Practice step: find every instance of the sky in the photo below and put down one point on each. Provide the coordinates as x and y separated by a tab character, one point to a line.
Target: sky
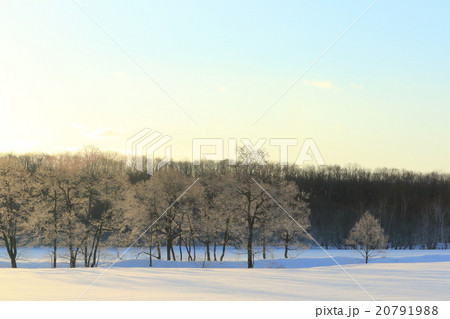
375	94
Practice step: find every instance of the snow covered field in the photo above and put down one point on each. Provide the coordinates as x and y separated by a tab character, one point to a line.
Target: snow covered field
399	275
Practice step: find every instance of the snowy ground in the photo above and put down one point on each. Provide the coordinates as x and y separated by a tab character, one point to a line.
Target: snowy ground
399	275
234	258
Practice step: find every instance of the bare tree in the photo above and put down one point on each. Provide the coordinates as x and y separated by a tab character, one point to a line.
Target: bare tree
439	213
17	194
251	199
289	231
73	229
141	211
102	187
367	237
46	222
155	197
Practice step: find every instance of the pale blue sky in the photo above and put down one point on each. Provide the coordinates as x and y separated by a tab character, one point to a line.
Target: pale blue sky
380	97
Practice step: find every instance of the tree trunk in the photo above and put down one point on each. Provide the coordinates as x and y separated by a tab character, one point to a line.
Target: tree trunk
98	258
187	245
168	249
180	248
85	251
250	245
12	252
208	255
193	246
55	227
72	258
225	240
173	253
72	262
223	251
150	255
94	255
158	249
54	253
264	247
11	248
286	246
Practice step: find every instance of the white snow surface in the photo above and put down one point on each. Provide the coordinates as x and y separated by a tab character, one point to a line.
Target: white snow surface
311	275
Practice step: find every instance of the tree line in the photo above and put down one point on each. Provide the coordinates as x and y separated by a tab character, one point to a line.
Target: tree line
413	208
89	200
80	203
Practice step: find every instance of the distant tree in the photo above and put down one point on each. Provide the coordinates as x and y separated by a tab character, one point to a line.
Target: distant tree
251	200
166	187
142	209
17	194
102	187
439	213
254	202
205	217
45	223
367	237
72	228
298	209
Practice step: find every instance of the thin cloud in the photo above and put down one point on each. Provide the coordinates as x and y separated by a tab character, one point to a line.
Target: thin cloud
356	86
99	133
108	132
320	84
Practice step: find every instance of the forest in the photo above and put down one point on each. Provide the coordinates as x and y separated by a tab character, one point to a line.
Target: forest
81	203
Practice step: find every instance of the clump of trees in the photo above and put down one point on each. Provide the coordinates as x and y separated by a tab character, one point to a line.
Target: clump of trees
367	237
81	203
89	200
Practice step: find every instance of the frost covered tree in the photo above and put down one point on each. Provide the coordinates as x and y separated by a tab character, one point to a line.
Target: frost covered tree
289	231
214	214
102	188
44	225
256	201
367	236
70	186
143	209
17	194
251	201
167	185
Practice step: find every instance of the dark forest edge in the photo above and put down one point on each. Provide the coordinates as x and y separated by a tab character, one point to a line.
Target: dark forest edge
91	199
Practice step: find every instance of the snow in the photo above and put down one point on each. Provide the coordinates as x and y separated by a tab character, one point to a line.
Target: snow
399	275
235	258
